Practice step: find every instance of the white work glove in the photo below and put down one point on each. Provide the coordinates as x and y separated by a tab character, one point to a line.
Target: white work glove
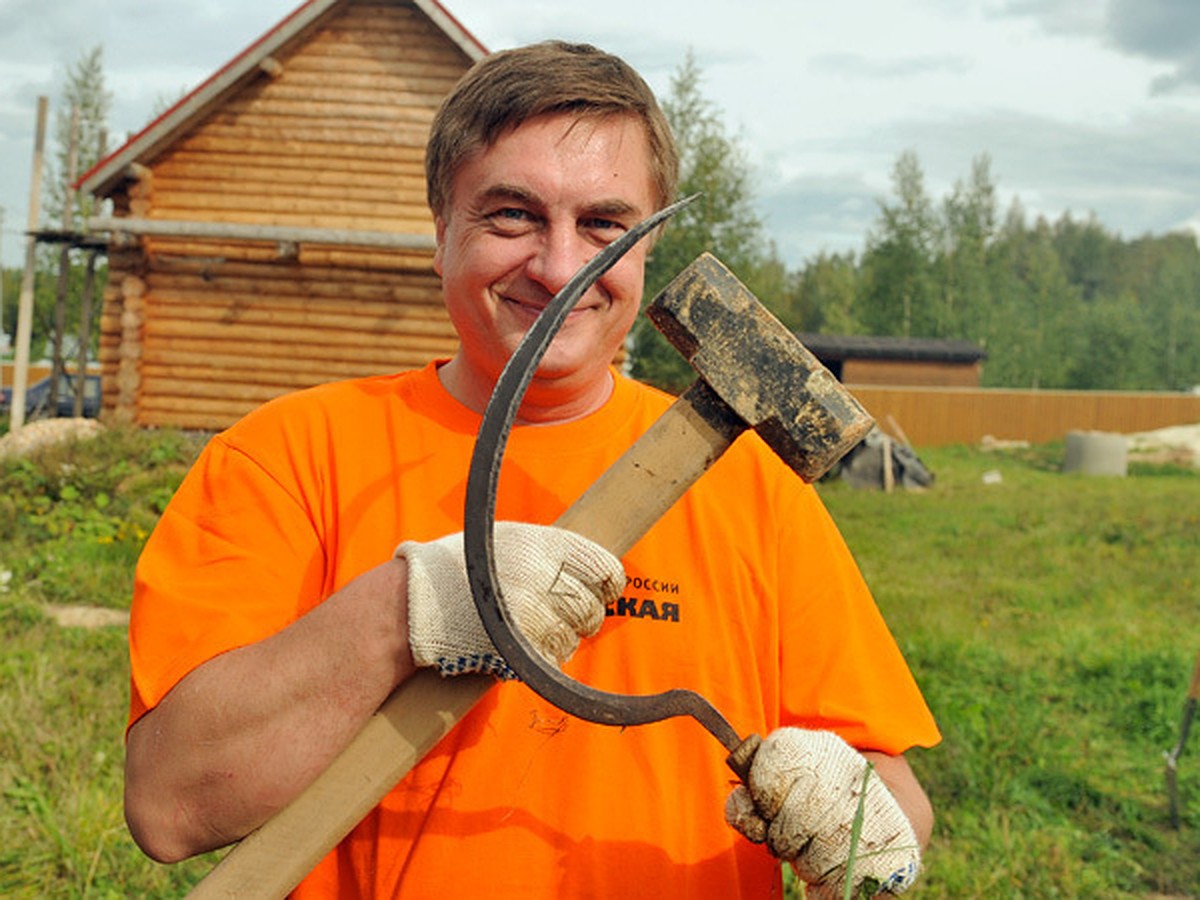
803	796
555	583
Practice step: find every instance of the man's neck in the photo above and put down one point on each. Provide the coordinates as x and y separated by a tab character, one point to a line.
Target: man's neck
546	401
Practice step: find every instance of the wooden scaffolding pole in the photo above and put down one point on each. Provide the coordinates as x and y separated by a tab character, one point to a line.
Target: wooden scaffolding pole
25	302
85	333
58	366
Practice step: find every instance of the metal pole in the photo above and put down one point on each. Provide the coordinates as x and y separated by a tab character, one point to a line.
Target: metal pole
25	303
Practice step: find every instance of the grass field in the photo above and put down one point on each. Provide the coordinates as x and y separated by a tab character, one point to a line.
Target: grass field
1052	621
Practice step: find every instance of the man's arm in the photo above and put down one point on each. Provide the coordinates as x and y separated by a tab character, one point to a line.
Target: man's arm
244	733
903	785
239	737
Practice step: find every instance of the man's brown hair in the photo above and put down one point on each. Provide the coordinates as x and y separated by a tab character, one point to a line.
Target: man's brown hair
505	89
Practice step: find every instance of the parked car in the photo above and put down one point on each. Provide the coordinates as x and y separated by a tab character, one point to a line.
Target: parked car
37	398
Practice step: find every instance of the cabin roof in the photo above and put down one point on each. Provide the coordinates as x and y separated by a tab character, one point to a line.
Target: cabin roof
103	178
843	347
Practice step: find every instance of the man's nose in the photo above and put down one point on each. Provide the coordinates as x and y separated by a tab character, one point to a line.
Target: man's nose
559	255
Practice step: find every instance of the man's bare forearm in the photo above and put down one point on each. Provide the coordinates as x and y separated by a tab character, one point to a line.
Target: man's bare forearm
244	733
903	785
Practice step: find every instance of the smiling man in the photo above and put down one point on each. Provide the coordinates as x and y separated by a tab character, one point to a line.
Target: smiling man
312	561
522	217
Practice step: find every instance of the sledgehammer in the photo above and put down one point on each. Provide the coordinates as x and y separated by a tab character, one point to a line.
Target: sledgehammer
754	374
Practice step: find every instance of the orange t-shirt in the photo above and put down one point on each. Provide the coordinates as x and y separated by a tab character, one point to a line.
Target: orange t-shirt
744	591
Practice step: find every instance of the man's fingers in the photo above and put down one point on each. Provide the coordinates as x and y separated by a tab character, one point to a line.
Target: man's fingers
741	813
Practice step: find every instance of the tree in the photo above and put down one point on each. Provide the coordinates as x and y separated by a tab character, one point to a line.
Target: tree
1117	347
84	91
898	279
80	127
968	229
1062	305
1164	275
822	295
722	221
1086	251
1035	331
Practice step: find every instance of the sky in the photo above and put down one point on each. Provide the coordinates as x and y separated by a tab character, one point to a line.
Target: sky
1083	107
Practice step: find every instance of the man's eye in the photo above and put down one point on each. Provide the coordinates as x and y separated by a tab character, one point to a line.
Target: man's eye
510	220
603	230
510	215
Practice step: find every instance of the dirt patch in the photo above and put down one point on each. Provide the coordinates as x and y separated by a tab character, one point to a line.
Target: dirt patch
88	616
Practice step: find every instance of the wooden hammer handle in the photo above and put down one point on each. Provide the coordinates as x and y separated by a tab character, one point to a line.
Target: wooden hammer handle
635	491
615	512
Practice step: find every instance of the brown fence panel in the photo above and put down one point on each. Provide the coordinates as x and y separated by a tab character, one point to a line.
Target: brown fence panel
932	417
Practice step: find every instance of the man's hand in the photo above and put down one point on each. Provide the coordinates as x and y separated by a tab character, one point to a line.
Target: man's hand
556	585
804	795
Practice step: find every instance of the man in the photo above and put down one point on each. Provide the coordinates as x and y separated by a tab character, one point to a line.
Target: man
311	562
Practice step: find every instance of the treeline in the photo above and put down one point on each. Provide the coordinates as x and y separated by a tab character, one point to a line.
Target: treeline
1064	304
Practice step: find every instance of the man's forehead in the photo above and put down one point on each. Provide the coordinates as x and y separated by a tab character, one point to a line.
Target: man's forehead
509	168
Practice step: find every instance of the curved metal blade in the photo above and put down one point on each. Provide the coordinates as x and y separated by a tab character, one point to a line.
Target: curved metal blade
542	677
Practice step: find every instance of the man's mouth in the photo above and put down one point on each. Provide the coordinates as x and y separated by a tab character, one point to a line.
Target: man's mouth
533	308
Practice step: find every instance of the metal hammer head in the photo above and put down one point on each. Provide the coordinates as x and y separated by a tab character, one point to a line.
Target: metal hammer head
759	368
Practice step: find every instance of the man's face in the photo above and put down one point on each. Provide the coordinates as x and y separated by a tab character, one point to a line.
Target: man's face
523	216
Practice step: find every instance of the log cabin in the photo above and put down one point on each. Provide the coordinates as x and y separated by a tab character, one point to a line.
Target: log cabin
269	231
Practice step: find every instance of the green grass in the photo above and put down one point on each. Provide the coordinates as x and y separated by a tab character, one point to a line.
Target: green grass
1052	621
72	522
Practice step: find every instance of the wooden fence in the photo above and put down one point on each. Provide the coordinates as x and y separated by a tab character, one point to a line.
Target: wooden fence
932	417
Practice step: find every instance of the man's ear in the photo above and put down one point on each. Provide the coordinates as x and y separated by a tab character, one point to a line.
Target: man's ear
440	236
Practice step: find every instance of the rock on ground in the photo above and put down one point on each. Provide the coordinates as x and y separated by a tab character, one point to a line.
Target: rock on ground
35	435
87	616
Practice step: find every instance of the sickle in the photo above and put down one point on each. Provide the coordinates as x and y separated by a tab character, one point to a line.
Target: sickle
543	678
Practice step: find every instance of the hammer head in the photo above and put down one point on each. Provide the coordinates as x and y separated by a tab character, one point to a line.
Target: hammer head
759	368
